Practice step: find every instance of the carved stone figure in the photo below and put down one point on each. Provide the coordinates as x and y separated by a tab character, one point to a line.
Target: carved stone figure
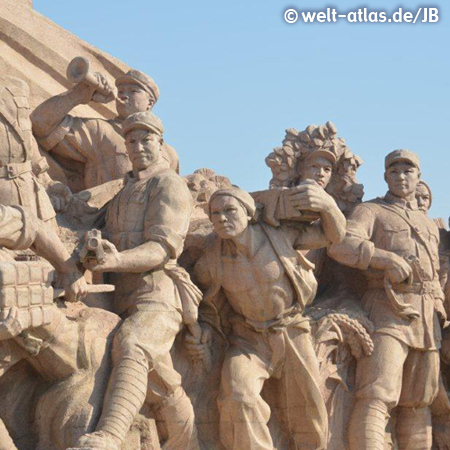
423	196
146	223
340	328
315	154
31	327
20	161
292	349
289	162
96	144
397	246
440	408
260	284
54	360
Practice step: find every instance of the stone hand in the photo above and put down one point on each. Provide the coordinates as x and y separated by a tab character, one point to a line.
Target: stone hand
60	196
111	261
103	95
196	347
87	93
74	285
397	269
310	197
11	326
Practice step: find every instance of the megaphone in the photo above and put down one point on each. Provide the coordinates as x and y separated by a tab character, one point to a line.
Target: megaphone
78	72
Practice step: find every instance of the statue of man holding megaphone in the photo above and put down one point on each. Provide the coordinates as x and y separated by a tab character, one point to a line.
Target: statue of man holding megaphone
96	143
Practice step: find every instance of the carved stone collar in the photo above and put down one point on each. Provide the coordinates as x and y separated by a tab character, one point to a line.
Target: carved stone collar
150	172
401	202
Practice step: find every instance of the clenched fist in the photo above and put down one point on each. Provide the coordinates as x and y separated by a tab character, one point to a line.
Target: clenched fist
309	196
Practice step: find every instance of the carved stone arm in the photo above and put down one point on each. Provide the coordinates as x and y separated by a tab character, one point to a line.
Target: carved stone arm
49	114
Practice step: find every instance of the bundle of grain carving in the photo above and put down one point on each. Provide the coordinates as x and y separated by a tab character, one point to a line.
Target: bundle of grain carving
285	162
355	335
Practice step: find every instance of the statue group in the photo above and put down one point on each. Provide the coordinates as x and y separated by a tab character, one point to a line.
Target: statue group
145	310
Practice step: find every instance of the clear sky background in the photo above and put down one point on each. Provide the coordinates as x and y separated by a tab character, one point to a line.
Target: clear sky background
234	75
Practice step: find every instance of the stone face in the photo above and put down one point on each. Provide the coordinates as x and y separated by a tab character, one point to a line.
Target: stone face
145	310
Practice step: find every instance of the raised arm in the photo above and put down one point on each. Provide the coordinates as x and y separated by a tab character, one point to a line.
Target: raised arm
49	114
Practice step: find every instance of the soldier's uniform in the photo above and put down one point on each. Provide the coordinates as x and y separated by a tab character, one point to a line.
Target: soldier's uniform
154	206
404	367
98	143
19	155
18	229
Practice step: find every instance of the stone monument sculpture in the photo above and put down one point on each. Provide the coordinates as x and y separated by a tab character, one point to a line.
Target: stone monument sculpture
440	408
267	285
424	196
58	354
32	327
146	223
96	143
298	147
23	173
294	317
340	327
397	247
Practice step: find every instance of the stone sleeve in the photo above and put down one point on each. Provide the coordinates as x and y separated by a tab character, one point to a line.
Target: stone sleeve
168	215
18	229
356	250
73	138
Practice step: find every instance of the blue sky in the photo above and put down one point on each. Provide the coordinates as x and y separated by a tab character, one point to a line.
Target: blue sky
234	75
